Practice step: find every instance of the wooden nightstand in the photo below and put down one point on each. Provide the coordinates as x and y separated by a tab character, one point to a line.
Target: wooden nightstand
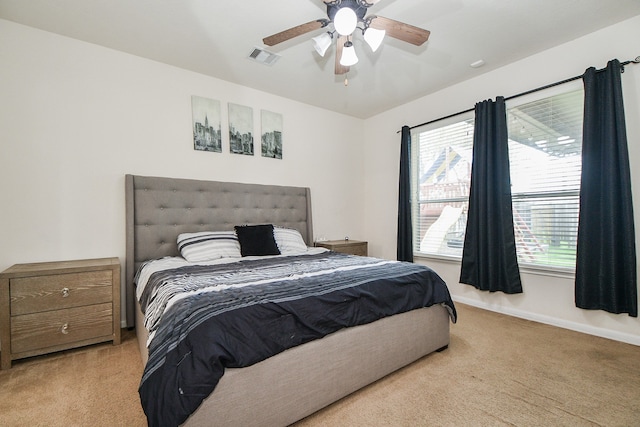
53	306
353	247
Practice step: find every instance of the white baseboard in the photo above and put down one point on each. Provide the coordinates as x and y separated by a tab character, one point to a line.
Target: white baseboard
561	323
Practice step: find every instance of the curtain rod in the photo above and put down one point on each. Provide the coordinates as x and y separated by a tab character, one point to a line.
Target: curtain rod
636	60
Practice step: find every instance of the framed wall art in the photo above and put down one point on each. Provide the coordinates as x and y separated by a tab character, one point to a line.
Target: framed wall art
207	131
271	137
240	129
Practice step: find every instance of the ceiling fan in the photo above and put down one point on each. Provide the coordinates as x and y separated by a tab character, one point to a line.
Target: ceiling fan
346	15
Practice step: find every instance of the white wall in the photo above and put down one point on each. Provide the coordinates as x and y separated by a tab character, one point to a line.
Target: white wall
547	299
76	117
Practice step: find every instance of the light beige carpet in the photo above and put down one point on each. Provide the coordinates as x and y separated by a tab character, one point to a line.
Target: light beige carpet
498	371
503	371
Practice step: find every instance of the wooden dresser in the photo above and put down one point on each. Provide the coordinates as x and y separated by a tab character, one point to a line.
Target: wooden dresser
353	247
53	306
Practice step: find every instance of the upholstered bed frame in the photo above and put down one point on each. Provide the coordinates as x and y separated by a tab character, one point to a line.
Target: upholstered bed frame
301	380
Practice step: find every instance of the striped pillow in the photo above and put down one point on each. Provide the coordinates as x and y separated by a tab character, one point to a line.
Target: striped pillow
290	241
208	245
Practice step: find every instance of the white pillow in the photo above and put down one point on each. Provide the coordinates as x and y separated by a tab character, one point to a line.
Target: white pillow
209	245
289	241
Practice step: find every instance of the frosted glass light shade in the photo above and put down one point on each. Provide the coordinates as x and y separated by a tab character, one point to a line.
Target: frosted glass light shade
345	21
374	38
321	43
348	57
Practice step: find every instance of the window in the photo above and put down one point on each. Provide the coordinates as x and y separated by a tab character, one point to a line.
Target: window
545	140
441	163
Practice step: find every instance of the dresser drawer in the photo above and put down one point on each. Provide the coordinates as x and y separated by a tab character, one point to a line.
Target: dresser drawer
53	328
53	292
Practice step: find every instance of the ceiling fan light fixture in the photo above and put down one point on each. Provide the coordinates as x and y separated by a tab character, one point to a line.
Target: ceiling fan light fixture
349	56
346	17
322	42
345	21
374	37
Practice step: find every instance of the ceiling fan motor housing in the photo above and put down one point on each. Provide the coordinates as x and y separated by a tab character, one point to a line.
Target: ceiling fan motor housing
359	7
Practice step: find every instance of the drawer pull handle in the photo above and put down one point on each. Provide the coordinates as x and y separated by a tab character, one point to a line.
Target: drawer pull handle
64	329
65	292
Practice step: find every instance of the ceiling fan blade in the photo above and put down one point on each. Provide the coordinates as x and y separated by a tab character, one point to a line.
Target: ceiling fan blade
400	30
340	69
294	32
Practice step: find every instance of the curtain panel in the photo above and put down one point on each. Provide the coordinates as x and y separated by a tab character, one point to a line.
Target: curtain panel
606	254
489	260
405	230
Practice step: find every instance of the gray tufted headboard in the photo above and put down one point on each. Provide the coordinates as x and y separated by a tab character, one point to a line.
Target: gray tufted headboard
159	209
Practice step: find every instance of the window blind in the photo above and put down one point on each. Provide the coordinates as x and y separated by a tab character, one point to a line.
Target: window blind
442	160
545	141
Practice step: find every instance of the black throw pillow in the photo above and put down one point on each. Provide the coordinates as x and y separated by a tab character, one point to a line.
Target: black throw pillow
257	240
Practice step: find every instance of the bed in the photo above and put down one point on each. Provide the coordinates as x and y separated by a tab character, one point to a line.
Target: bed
297	381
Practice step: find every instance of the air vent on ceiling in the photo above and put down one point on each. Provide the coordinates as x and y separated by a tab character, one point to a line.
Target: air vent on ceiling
263	56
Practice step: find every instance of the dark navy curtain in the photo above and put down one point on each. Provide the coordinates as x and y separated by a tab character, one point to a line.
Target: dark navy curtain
606	257
405	233
489	260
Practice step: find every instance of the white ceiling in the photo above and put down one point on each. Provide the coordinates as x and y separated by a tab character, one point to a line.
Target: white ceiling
215	37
